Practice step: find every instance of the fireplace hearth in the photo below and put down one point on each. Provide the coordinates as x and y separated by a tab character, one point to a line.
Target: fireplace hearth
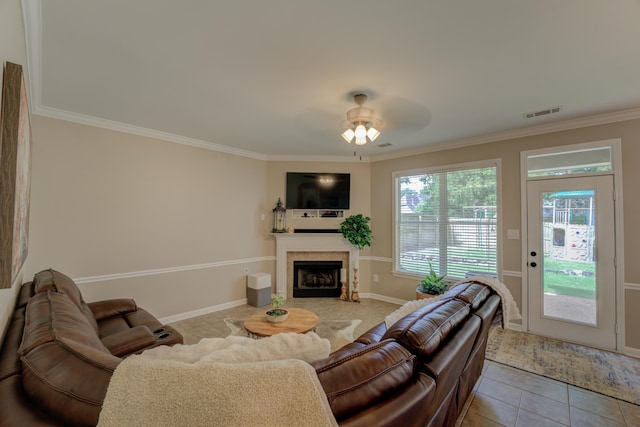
316	279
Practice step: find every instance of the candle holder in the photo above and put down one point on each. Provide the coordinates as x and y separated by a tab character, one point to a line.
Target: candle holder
354	294
344	295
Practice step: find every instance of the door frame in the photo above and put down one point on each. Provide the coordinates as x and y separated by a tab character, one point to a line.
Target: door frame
601	333
616	145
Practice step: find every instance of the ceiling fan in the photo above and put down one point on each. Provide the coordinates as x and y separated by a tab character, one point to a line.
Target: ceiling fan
361	124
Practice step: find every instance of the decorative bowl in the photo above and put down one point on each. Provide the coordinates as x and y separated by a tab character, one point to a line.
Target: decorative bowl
277	318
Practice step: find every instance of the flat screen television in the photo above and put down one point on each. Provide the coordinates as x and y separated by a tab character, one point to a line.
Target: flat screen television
312	190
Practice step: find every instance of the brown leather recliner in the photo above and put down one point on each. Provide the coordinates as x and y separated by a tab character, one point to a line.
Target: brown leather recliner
123	327
59	352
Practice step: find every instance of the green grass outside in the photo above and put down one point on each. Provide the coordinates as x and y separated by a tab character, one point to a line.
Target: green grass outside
557	283
567	284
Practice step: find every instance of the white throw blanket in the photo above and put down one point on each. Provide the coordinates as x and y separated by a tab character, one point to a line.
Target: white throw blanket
221	382
509	307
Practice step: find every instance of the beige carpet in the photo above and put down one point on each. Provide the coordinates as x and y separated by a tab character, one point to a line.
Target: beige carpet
601	371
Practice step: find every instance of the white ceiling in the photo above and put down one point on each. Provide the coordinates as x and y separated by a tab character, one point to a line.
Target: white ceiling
275	78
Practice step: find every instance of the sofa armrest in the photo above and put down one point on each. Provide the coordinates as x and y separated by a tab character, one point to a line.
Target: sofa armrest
373	335
356	381
129	341
113	307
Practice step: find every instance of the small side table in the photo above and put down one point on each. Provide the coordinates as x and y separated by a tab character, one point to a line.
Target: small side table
299	321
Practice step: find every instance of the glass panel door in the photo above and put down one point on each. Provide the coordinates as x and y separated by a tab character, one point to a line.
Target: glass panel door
571	256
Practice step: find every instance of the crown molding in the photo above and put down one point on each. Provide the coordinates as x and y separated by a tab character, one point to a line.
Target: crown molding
336	159
32	20
600	119
138	130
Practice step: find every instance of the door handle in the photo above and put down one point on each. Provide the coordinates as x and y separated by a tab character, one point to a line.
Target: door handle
533	264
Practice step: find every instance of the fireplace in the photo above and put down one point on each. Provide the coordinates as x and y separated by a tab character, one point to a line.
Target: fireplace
316	279
292	247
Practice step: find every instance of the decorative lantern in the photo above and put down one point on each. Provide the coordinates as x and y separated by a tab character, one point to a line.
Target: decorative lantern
279	218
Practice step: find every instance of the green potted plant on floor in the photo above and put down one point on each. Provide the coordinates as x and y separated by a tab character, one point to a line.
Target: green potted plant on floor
431	285
277	314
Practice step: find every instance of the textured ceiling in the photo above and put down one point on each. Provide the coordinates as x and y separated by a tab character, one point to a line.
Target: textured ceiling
275	78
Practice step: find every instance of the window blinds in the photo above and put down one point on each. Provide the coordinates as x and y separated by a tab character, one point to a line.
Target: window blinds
447	220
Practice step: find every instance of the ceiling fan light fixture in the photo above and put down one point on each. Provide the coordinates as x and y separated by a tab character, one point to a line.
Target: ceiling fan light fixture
373	133
361	123
348	135
361	132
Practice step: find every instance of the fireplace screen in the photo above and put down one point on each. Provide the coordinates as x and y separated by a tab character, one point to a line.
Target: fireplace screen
316	279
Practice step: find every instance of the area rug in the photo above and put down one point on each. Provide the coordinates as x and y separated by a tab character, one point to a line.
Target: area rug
612	374
338	332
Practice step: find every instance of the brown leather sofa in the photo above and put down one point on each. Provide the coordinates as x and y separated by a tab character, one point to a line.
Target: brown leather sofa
59	352
420	371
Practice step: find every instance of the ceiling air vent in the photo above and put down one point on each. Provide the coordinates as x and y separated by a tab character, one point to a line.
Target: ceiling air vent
535	114
386	144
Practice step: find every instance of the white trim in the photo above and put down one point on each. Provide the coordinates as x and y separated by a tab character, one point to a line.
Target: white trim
138	130
524	236
629	351
32	18
616	145
128	275
311	158
383	298
202	311
514	327
632	286
377	258
509	273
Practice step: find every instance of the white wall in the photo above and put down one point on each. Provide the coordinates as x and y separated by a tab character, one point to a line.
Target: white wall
169	225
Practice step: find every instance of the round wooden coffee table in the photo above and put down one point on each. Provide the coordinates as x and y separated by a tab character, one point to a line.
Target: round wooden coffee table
299	321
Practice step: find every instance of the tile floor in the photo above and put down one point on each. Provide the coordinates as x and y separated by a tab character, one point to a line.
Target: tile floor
505	396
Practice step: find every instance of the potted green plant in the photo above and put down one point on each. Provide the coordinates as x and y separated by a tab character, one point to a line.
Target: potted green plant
431	285
356	230
277	314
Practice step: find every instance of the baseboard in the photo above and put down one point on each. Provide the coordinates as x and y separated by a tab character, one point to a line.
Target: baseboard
202	311
632	352
514	326
383	298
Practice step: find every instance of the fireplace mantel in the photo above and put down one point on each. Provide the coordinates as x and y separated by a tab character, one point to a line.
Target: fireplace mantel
310	242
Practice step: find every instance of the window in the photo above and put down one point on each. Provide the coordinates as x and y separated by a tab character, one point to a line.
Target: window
571	162
447	219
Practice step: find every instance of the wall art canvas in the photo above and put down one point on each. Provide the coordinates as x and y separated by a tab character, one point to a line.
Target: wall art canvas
15	174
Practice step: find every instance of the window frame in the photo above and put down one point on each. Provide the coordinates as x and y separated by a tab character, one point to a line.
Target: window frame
440	169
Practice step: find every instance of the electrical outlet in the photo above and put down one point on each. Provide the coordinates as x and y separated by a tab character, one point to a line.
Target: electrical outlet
375	278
